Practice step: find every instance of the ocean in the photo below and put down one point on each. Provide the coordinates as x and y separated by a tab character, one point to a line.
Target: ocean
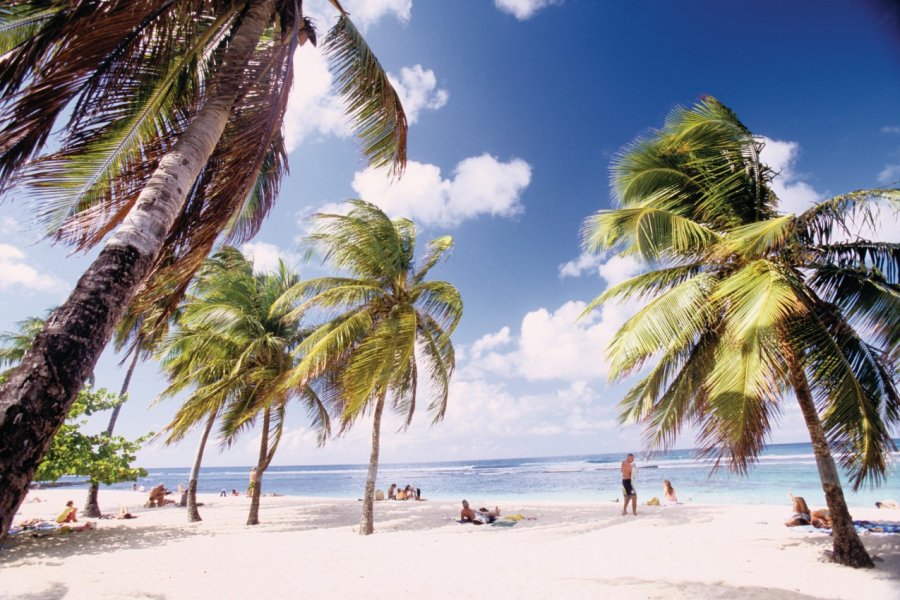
782	468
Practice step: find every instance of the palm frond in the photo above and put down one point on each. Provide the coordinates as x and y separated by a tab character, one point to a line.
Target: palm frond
372	103
845	214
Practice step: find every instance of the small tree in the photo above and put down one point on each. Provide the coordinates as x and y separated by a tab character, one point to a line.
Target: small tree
100	457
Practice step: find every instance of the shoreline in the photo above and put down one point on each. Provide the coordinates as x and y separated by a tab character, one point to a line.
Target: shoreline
576	550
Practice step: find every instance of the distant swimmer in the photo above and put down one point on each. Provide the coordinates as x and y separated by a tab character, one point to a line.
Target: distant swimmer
628	469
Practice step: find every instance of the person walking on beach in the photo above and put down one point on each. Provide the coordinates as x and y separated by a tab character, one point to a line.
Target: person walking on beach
630	492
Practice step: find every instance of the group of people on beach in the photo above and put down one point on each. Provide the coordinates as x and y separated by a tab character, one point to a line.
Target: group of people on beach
628	470
407	493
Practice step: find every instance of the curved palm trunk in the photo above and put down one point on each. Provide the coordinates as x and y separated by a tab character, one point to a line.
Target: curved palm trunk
91	506
253	516
847	548
193	514
367	523
35	400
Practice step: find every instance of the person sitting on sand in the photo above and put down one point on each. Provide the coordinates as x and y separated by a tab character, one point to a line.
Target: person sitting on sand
803	516
400	494
482	516
234	492
669	493
157	496
68	514
392	495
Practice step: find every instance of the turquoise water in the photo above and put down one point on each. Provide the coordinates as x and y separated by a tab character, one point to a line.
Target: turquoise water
782	468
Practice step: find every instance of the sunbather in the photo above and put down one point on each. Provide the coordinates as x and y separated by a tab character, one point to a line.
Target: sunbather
68	514
480	517
803	516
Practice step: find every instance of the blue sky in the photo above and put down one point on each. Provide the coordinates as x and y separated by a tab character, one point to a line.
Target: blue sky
516	107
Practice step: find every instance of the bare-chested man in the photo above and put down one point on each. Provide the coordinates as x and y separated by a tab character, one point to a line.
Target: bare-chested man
630	493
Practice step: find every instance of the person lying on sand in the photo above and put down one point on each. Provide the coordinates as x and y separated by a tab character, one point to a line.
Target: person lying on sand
803	516
481	517
887	504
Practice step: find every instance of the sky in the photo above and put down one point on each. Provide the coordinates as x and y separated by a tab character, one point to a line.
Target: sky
516	108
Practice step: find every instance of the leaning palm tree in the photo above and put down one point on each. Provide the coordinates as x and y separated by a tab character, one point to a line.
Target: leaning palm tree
173	137
389	319
233	347
744	305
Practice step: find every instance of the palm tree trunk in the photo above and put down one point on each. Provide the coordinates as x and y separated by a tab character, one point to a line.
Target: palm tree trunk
253	516
367	523
847	548
193	514
35	400
91	506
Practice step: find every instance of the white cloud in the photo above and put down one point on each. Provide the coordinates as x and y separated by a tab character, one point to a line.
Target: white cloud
614	269
524	9
587	262
16	272
890	129
890	175
794	195
480	185
417	88
369	12
265	256
550	345
8	225
312	110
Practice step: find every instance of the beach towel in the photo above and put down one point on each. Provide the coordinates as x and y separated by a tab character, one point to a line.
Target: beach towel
504	523
877	526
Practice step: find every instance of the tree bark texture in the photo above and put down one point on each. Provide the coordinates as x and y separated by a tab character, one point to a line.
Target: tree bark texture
193	515
35	400
91	505
847	548
262	463
367	522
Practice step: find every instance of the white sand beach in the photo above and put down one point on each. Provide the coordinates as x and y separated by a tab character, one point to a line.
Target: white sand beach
308	547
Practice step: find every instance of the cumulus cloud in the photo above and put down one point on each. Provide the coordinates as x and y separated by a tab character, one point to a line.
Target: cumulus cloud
15	272
794	194
891	129
417	88
368	12
8	225
524	9
265	256
481	185
614	269
550	345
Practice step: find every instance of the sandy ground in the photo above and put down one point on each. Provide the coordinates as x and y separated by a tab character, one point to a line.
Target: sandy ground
310	548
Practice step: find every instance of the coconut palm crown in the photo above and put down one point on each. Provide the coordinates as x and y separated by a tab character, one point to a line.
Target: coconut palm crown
742	304
389	320
233	351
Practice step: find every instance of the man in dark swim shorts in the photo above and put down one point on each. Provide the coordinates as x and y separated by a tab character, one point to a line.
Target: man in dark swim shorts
630	492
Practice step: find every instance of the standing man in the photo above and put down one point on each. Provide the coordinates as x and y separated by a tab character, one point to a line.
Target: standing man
630	493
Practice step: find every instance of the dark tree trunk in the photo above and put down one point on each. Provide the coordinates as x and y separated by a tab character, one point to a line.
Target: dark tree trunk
35	400
847	548
256	492
193	515
91	506
367	522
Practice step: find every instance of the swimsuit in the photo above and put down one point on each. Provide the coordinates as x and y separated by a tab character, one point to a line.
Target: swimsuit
629	491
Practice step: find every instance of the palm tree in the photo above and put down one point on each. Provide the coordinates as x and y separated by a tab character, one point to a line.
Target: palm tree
14	344
390	319
140	330
174	137
234	346
745	305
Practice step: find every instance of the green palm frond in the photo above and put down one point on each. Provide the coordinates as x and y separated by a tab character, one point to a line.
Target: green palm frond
438	248
372	103
869	301
645	285
440	361
760	238
441	301
327	345
682	313
845	214
650	231
883	256
20	23
760	296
